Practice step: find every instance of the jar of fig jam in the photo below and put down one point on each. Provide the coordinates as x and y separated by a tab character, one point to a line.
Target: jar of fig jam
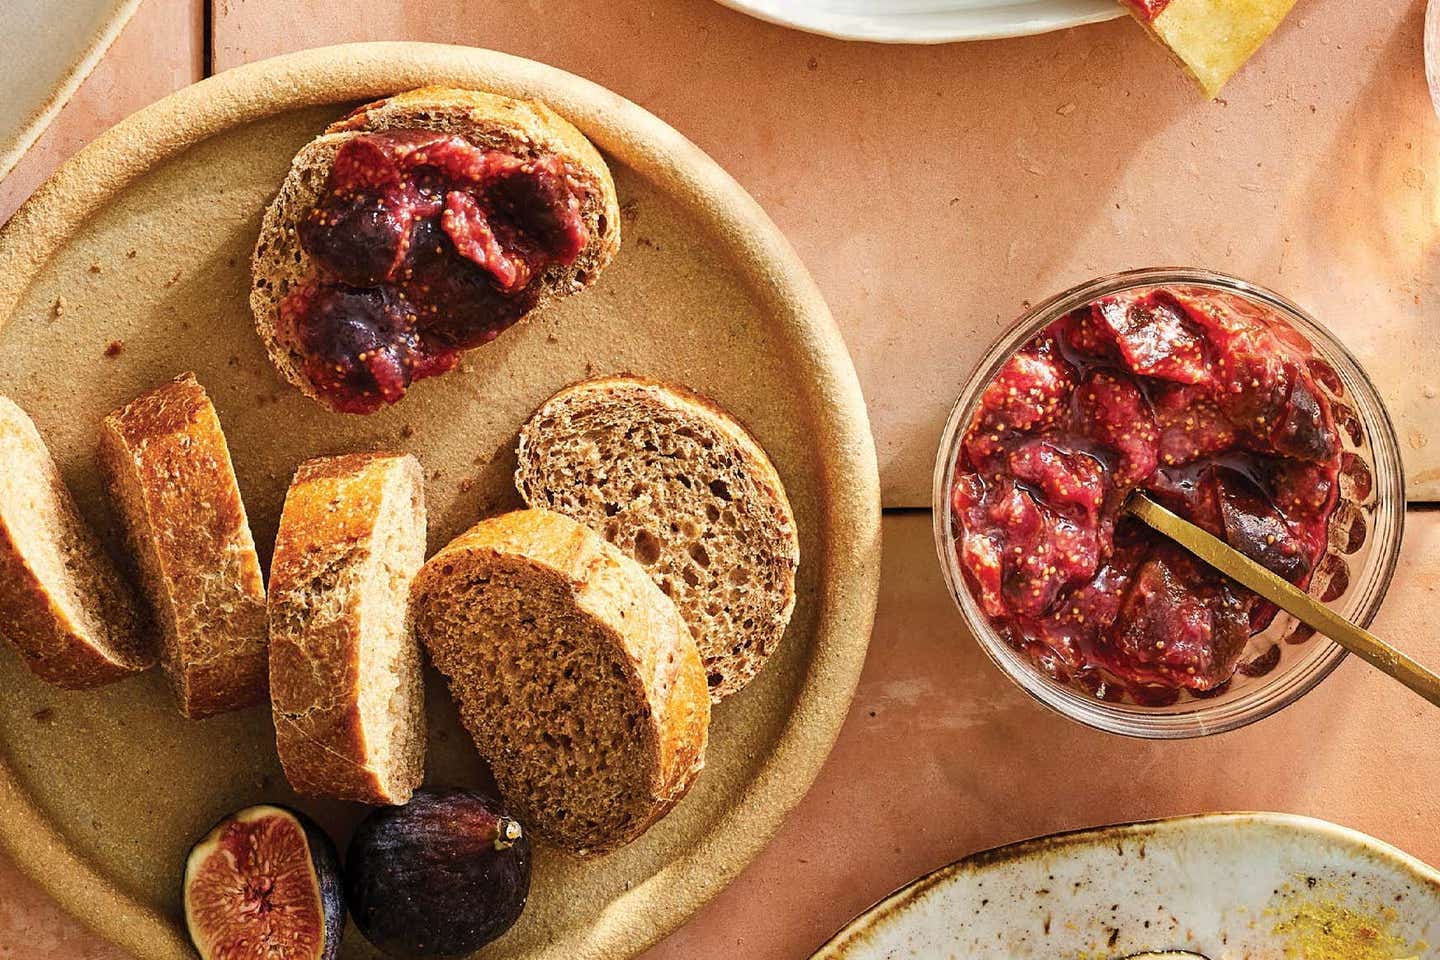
1225	402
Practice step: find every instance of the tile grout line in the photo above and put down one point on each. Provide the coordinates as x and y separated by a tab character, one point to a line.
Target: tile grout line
207	36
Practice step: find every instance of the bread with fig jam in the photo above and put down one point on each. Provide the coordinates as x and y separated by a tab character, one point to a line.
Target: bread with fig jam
576	676
63	603
346	690
167	467
421	226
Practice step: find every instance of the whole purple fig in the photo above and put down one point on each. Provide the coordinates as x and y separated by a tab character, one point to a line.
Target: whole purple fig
442	875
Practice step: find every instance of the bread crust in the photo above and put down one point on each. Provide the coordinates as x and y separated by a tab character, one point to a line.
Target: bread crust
168	470
33	616
524	128
328	534
613	592
733	669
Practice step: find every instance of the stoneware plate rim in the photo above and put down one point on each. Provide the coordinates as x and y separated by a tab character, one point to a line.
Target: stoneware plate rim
946	24
889	911
356	72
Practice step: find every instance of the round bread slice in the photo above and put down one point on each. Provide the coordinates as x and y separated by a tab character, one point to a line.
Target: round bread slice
522	128
676	483
63	604
575	675
346	689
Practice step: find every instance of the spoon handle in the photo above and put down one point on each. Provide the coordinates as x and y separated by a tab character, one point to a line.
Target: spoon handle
1287	597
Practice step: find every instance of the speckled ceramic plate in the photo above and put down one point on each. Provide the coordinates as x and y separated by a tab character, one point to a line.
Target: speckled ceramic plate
1235	886
142	241
48	48
928	21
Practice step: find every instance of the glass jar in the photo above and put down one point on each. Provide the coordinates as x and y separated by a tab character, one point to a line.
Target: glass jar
1351	578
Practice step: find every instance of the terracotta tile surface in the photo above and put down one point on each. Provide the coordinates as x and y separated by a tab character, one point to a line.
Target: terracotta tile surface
160	50
933	190
32	927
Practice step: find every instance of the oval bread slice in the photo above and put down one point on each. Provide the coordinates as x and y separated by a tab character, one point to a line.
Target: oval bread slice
168	470
63	604
574	674
677	484
346	689
524	128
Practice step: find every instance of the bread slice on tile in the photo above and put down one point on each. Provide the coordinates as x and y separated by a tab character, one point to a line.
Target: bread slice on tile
523	128
346	689
677	484
169	474
63	604
575	675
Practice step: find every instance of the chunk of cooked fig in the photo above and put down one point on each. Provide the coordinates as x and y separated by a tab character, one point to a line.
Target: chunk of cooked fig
1117	417
264	884
1155	337
441	876
1255	528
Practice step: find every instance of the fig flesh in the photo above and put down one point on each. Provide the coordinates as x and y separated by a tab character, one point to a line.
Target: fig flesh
441	876
264	884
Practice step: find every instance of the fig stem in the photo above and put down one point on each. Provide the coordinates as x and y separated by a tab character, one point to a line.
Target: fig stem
507	832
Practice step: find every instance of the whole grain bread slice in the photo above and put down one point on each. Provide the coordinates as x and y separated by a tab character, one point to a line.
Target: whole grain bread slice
522	128
575	675
169	474
346	689
63	604
676	483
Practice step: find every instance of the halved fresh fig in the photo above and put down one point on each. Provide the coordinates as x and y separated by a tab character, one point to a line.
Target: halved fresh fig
441	876
264	884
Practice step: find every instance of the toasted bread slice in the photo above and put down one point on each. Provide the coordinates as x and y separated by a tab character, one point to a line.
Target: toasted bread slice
63	604
522	128
575	675
169	474
346	689
677	484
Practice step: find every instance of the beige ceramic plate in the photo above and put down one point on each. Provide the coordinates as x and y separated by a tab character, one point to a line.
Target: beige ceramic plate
48	48
1239	886
143	240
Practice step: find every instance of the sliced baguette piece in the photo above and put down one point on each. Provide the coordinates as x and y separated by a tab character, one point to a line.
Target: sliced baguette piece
575	675
169	474
677	484
346	689
63	604
523	128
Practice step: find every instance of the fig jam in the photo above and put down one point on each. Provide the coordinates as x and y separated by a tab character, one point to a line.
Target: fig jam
424	245
1203	399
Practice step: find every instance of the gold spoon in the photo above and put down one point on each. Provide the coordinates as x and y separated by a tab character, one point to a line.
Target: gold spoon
1286	596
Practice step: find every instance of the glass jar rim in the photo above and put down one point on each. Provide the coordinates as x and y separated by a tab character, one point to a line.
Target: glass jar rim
1135	720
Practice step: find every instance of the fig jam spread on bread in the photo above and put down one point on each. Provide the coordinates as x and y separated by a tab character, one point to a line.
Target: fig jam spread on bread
426	246
421	226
